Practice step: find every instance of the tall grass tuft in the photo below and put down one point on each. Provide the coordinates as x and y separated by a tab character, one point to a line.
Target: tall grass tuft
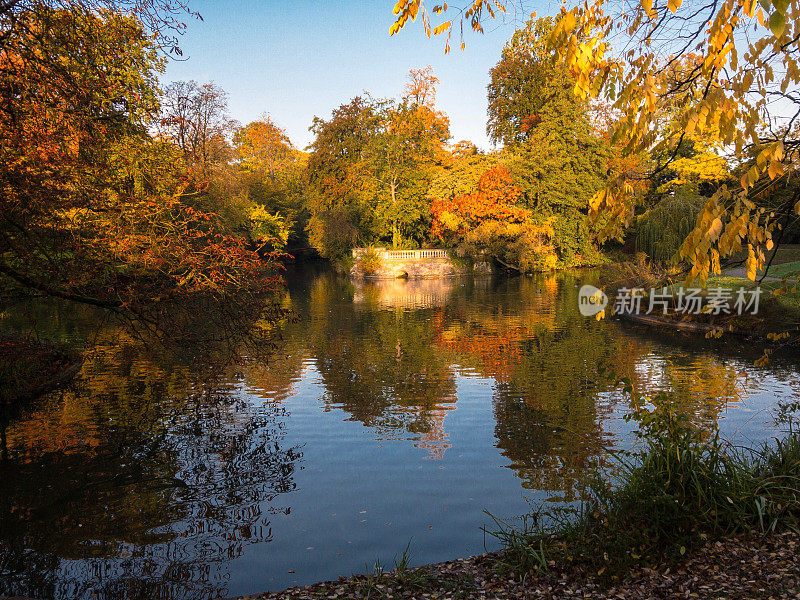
683	487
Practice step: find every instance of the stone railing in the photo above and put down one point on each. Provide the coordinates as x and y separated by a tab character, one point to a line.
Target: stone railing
390	255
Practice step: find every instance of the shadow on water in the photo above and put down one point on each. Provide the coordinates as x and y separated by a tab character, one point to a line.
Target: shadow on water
156	475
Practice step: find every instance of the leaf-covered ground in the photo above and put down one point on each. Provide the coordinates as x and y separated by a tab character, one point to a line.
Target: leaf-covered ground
736	568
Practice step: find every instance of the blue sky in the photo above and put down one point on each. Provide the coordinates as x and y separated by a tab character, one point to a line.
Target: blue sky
294	60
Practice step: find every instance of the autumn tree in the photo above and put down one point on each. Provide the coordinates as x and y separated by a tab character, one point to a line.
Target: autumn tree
741	95
679	180
461	170
163	19
527	85
195	118
264	146
408	140
558	159
91	206
271	173
420	89
747	58
491	222
339	198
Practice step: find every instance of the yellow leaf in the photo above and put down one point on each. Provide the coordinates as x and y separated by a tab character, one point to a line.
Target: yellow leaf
750	264
775	169
715	229
691	124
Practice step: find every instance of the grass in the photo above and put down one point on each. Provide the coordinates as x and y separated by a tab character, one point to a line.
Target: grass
681	489
786	262
779	302
376	579
785	253
784	269
787	297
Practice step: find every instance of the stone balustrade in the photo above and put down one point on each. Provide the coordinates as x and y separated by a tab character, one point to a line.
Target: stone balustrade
425	254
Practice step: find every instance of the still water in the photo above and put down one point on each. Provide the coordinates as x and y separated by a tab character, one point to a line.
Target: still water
392	415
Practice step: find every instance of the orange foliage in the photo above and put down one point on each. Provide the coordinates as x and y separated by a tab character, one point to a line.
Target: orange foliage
490	221
494	199
421	88
92	208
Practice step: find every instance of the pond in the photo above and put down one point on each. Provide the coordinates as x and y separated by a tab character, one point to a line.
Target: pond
391	416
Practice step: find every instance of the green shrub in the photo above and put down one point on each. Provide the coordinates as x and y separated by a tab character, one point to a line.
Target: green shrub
369	262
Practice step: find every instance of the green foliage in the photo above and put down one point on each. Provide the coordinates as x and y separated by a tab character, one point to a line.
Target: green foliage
369	262
408	139
338	195
555	156
574	241
460	174
527	85
268	228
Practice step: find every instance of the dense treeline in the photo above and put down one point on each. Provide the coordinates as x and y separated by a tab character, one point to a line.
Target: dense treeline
121	194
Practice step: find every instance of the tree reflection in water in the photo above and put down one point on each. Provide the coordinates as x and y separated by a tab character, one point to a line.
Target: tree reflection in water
154	483
393	367
379	362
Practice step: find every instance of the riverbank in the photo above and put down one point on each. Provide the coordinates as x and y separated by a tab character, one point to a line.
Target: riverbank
741	567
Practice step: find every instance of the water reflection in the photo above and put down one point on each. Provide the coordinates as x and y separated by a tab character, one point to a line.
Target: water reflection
403	293
139	487
382	367
154	477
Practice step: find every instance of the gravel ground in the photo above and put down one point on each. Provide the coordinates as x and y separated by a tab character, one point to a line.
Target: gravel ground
736	568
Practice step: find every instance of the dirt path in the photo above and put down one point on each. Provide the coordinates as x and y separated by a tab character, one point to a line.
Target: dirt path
742	272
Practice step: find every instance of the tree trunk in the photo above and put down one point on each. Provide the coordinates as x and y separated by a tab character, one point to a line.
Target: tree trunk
395	231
